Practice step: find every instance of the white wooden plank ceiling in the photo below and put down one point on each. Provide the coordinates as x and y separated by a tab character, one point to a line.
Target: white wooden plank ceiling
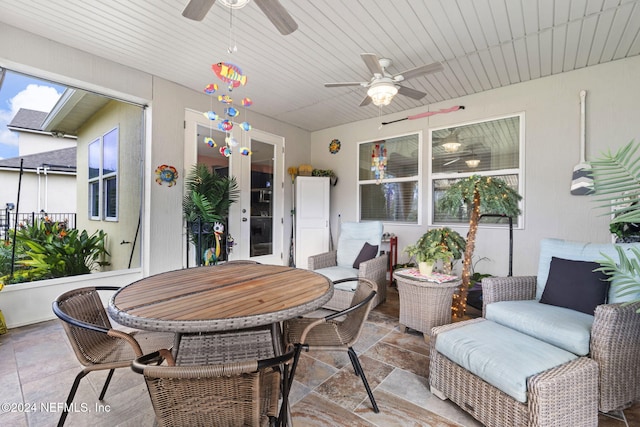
482	44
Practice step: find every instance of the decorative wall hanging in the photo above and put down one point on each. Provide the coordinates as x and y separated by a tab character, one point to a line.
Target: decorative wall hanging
166	174
334	146
427	114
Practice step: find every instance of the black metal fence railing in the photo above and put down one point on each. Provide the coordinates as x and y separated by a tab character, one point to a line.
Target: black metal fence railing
8	218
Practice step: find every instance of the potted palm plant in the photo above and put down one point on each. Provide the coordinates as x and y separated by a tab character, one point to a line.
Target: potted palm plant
205	208
616	178
435	245
481	194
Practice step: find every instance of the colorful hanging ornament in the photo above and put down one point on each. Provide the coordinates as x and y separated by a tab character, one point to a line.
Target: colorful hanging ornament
245	126
210	115
210	88
246	102
210	142
245	151
231	112
166	174
225	99
225	151
379	161
231	141
229	73
225	125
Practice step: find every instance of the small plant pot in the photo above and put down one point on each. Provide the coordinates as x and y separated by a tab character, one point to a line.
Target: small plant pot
426	267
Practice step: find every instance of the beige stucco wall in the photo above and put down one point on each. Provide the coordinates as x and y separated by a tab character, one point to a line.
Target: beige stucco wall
51	192
129	121
552	138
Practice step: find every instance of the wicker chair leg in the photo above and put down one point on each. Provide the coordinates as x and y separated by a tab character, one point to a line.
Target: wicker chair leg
106	384
358	368
72	394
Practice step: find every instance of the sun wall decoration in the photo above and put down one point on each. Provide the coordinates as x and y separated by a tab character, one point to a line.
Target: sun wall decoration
232	75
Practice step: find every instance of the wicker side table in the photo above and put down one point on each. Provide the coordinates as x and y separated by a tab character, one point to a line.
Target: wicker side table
424	304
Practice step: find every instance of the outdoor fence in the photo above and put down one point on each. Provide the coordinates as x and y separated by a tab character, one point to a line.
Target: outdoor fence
8	218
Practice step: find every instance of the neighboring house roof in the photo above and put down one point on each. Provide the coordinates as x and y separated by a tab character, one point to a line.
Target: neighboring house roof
63	160
27	119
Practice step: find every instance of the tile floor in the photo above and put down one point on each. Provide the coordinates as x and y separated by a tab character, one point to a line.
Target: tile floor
38	367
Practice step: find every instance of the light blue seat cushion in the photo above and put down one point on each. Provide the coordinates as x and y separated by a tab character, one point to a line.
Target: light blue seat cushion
337	273
559	326
353	236
500	356
579	251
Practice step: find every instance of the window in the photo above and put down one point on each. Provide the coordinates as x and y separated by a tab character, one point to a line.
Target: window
389	179
103	177
489	148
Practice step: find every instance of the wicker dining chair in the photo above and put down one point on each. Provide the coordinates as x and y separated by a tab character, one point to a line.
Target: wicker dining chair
229	394
97	345
328	333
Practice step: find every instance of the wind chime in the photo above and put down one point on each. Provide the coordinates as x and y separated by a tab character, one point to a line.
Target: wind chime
379	162
232	75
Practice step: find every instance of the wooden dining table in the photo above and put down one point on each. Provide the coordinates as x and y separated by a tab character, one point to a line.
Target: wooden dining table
223	297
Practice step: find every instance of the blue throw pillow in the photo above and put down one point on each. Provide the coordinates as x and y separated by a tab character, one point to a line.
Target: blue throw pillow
574	285
366	253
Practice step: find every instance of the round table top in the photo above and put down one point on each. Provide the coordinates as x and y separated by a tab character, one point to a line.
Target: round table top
219	298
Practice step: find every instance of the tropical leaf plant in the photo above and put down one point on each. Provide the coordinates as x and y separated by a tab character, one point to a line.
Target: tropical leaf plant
623	274
617	188
481	195
209	195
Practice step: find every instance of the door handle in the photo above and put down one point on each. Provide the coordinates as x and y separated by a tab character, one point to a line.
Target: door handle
244	219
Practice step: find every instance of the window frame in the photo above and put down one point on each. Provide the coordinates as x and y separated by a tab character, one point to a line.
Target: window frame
102	178
519	222
415	178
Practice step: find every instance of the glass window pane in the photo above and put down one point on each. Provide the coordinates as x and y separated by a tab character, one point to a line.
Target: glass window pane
262	166
440	186
94	199
400	155
110	149
94	159
390	201
486	146
110	197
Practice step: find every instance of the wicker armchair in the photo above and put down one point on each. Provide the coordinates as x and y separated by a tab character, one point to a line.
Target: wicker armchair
326	333
97	345
338	264
614	344
230	394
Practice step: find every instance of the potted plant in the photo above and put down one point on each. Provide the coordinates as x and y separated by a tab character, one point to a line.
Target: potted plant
434	245
481	194
206	203
616	179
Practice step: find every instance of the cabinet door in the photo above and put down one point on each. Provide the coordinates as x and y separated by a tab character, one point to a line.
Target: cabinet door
312	218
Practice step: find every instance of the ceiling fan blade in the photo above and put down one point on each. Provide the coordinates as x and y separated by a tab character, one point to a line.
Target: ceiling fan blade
278	16
197	9
419	71
342	84
411	93
366	101
372	63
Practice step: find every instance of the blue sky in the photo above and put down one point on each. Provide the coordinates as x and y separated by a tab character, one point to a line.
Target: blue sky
19	91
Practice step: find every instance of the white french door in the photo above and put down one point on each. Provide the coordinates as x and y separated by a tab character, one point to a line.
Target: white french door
256	218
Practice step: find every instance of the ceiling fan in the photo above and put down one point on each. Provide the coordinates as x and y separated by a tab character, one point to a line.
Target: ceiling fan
383	86
275	12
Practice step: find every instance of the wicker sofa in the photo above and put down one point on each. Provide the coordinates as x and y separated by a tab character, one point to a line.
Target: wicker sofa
614	339
338	264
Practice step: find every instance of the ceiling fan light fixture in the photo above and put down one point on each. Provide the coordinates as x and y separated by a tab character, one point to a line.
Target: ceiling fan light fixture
451	146
234	4
382	93
472	163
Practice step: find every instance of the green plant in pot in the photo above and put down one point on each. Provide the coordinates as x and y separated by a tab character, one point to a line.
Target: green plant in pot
616	179
206	202
434	245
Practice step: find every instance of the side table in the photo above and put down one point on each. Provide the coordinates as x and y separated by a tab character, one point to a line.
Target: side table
424	302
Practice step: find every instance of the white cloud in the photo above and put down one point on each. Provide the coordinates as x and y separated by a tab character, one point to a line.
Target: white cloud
34	97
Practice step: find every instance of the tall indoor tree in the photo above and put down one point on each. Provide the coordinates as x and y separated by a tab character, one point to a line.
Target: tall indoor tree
481	195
